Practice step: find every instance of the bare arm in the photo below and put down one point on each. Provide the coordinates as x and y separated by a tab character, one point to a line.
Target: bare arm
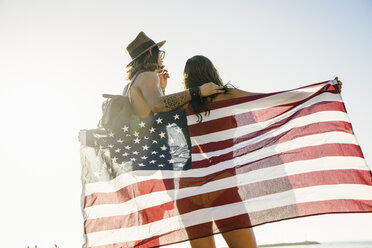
150	87
236	93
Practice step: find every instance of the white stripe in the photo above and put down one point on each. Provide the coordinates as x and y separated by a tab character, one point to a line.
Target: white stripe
139	176
315	139
262	103
241	131
260	175
254	127
301	195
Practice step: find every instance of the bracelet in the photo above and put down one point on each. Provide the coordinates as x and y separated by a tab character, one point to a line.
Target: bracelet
194	92
199	92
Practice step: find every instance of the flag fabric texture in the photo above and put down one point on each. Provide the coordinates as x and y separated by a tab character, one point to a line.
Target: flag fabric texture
253	160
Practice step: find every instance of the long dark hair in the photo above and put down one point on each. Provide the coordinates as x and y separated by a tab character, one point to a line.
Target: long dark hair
198	71
149	61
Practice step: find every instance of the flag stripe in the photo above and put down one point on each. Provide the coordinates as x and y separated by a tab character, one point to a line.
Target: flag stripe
256	126
288	156
228	196
157	184
295	196
294	128
245	177
239	120
267	216
240	149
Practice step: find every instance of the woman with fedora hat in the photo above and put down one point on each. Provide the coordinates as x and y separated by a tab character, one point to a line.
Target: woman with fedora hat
149	80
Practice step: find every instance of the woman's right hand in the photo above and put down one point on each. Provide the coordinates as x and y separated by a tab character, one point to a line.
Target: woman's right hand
163	76
210	88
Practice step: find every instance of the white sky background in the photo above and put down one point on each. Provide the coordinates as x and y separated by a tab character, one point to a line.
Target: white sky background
58	57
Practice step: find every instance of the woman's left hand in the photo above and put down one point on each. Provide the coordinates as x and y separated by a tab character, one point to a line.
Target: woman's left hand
339	83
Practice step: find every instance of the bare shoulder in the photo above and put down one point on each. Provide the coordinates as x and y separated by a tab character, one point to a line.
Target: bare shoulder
233	93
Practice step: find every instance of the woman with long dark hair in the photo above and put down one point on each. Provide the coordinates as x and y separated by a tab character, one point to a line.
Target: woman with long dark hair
237	233
199	70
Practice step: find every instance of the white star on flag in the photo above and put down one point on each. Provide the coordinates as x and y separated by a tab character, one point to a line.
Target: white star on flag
159	120
125	128
162	134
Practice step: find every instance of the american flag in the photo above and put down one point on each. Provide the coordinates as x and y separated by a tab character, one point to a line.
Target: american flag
253	160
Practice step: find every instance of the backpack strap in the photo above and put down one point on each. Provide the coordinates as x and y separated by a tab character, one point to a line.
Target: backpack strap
127	87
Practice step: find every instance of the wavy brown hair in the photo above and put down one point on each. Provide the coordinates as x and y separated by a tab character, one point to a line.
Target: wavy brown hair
149	61
198	71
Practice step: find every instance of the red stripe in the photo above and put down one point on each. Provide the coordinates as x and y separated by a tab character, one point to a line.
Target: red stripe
213	146
243	221
316	128
155	241
129	192
328	177
334	206
155	185
228	196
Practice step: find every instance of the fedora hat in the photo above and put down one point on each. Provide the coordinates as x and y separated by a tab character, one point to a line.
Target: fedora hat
141	44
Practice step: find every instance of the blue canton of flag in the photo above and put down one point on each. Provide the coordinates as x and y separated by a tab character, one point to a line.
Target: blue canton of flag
158	142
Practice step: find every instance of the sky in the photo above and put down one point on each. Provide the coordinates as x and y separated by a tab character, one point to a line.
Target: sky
58	57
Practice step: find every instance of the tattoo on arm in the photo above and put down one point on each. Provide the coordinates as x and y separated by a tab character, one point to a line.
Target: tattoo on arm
174	101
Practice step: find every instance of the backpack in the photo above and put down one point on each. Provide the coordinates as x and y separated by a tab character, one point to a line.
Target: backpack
116	109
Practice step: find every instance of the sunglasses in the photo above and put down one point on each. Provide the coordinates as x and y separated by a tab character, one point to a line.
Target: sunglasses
161	54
